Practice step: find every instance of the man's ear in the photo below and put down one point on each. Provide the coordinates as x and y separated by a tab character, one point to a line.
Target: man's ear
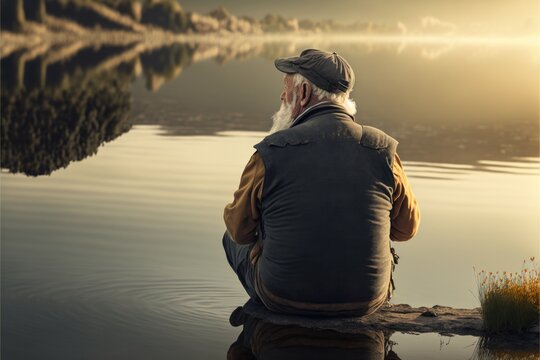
305	94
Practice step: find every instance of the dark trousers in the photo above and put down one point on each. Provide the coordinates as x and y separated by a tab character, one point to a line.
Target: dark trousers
238	257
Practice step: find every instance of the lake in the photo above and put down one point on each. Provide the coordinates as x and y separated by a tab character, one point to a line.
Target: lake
117	162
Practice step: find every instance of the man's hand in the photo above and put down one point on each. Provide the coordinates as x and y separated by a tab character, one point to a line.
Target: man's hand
255	251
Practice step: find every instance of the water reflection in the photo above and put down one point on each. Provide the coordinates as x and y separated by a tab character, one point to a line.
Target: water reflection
511	347
49	92
45	129
262	340
164	64
59	65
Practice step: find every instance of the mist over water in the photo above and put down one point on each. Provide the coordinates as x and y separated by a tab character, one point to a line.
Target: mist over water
117	163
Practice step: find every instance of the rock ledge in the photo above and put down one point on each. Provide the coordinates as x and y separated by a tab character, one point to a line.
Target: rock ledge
403	318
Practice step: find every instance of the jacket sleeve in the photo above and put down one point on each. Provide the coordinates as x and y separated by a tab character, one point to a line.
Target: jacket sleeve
405	213
243	214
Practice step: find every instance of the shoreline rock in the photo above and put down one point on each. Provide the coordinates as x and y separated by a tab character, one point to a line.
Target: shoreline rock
402	317
399	318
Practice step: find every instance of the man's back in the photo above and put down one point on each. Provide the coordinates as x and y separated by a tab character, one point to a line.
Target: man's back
325	211
309	228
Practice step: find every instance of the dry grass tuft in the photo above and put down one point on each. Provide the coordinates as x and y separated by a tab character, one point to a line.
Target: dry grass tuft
510	301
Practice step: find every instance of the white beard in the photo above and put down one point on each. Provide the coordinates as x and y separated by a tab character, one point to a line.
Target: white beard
283	119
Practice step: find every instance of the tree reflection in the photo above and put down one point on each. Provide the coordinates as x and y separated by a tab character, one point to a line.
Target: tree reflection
165	64
45	129
60	104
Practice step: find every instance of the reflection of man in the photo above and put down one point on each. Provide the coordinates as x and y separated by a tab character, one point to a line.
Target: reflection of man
263	340
309	228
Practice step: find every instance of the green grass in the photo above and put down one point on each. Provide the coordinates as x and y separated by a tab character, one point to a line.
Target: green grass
510	301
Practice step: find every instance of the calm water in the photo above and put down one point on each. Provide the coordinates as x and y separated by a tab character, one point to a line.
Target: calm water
117	163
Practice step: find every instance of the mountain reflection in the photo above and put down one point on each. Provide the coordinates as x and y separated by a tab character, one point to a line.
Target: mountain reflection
60	102
261	340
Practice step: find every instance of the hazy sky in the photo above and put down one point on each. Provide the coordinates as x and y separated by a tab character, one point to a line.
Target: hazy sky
497	16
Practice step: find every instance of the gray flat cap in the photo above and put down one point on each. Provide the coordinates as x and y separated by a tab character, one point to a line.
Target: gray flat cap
327	70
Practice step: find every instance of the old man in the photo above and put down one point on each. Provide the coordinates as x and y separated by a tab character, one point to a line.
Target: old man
320	200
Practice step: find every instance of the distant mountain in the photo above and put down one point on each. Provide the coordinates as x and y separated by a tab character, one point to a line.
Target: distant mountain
129	15
139	16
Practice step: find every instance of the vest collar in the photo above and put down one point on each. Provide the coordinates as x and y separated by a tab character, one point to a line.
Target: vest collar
318	108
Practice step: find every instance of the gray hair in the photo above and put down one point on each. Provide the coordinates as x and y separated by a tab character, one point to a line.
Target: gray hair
342	99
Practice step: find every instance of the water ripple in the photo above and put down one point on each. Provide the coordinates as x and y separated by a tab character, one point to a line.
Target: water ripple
129	302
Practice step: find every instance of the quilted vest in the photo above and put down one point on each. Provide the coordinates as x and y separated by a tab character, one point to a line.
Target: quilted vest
326	206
